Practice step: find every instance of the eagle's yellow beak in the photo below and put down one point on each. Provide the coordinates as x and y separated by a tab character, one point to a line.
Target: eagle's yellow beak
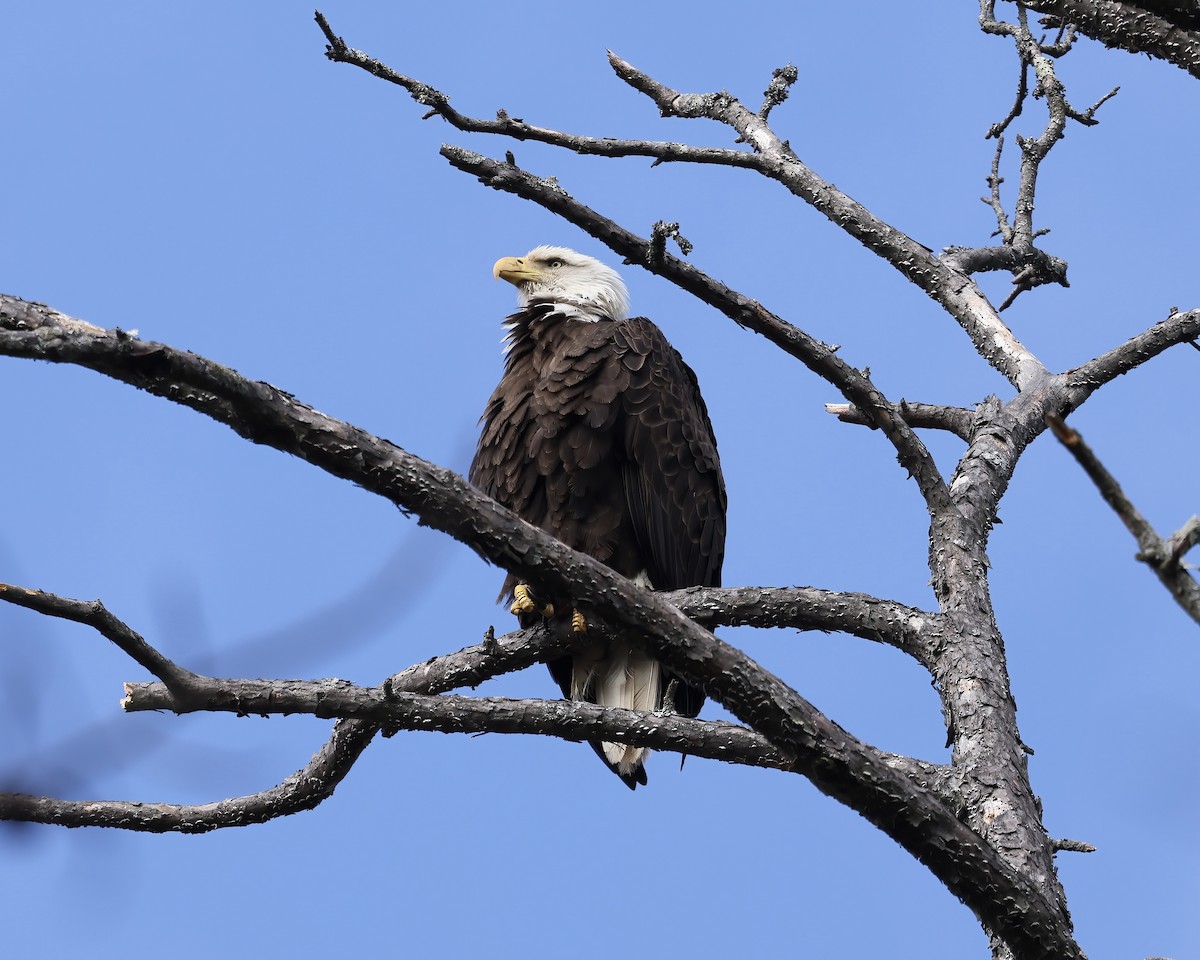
515	270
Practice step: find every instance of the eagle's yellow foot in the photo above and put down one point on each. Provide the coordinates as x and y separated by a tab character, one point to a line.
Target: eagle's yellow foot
578	623
523	602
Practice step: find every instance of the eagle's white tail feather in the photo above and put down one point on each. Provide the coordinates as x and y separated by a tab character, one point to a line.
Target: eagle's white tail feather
629	679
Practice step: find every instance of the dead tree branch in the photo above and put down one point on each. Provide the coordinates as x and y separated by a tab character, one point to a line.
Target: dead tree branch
1087	378
1163	556
1038	58
956	420
573	720
1169	31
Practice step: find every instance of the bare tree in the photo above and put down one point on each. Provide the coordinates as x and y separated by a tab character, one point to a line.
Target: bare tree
975	822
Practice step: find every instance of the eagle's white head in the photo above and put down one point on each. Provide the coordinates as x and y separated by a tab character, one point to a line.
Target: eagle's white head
582	287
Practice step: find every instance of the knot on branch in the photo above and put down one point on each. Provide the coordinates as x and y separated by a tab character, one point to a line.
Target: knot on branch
336	48
1030	266
778	89
658	241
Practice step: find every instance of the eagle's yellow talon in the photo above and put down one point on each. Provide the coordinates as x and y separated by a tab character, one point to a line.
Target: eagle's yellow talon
523	602
578	623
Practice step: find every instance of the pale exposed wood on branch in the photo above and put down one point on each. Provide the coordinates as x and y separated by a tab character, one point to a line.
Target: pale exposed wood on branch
950	288
1006	878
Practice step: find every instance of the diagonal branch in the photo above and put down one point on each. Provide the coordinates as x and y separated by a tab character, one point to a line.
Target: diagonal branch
504	125
303	790
94	614
1158	553
1087	378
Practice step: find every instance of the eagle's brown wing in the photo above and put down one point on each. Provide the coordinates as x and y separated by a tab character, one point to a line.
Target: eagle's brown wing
672	474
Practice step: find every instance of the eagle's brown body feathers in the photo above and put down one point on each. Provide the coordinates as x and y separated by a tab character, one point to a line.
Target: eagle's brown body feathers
597	433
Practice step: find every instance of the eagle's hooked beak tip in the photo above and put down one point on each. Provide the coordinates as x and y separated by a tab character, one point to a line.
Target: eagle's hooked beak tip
511	269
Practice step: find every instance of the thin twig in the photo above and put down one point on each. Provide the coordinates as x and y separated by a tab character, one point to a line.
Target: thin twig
778	89
1157	553
1032	55
1074	846
93	614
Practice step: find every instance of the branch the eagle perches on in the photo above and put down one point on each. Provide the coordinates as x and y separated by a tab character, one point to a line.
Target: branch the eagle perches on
974	822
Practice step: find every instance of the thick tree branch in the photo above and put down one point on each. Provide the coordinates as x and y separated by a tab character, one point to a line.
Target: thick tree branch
836	763
1158	553
1161	30
392	705
807	608
1087	378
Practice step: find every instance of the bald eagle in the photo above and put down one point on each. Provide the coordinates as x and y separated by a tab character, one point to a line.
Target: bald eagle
597	434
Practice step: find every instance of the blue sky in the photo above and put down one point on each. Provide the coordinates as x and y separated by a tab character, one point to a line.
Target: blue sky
200	173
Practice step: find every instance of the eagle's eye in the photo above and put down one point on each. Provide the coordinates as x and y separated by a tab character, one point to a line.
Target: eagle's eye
555	263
